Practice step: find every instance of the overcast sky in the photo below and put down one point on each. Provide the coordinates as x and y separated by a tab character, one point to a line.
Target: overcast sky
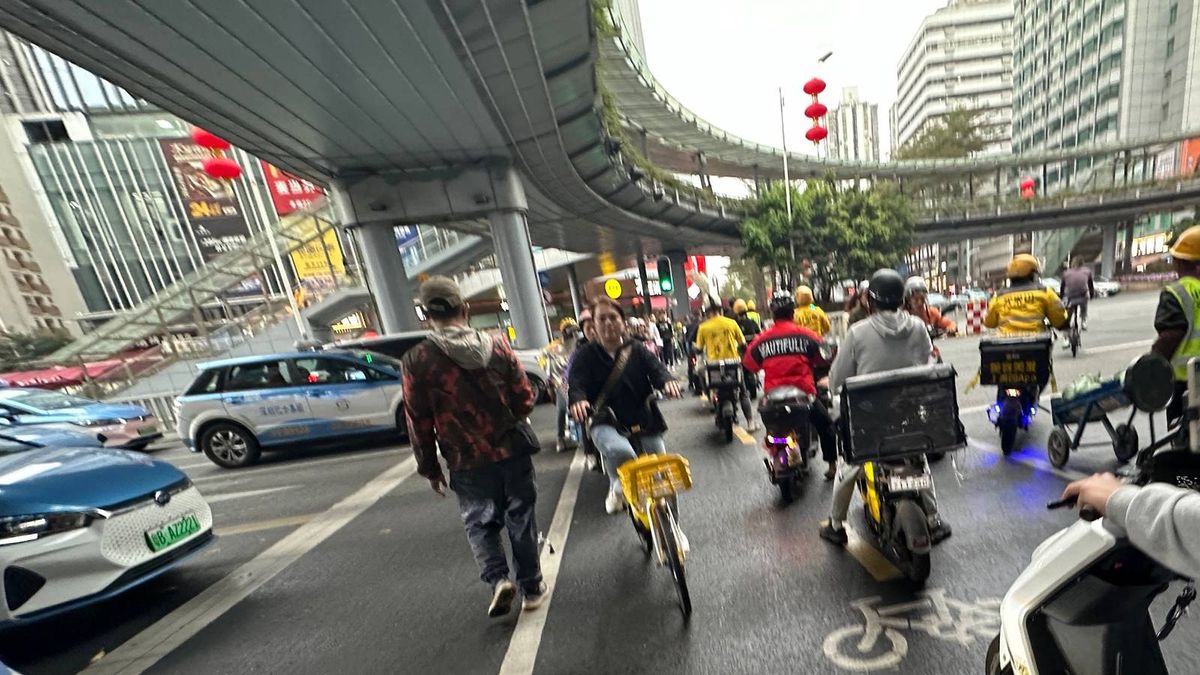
726	60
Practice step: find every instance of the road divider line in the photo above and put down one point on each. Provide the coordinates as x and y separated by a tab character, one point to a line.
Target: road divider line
869	557
229	496
1137	344
228	474
527	636
743	435
165	635
262	525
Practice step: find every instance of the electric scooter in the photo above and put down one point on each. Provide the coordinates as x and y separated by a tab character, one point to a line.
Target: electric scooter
725	388
1082	605
784	412
1019	367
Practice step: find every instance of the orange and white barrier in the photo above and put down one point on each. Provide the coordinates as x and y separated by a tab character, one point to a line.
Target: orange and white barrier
976	309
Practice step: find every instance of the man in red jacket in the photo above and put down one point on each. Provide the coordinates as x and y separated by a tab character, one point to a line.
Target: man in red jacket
786	353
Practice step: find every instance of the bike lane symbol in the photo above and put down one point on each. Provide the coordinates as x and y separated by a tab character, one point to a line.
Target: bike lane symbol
879	642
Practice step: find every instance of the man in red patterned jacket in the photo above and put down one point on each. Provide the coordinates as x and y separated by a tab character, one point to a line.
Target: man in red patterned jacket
464	392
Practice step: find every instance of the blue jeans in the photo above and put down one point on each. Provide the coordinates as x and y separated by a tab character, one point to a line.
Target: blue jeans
498	497
616	450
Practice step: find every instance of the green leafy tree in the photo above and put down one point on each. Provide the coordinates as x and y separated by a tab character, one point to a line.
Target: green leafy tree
959	133
19	350
843	234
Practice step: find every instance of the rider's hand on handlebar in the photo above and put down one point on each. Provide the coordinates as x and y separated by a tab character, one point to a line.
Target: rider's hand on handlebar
1093	491
580	411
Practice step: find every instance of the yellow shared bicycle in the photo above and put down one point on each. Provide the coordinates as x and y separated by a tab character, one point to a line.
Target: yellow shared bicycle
651	483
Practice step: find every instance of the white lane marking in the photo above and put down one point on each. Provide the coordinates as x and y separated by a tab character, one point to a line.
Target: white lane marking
216	499
1036	463
233	474
146	648
527	636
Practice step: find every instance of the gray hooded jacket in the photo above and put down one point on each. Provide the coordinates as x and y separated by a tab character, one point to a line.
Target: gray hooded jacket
468	347
887	340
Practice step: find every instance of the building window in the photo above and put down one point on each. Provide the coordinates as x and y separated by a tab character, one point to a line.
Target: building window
1171	46
46	131
1174	14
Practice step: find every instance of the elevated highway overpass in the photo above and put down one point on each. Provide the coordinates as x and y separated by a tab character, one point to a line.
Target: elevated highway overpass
458	112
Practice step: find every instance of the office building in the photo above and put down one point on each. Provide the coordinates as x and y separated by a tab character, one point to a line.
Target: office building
959	58
854	129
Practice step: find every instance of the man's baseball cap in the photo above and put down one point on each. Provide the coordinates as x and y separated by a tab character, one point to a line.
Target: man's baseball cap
441	294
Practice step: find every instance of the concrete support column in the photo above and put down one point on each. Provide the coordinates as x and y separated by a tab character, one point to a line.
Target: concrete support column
389	283
682	301
514	255
576	296
1127	254
1108	253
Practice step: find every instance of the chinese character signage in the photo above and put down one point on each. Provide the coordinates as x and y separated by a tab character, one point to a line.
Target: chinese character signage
314	261
210	204
288	193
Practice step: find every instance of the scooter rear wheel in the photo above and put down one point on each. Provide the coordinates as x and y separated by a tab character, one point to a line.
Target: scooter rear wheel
787	489
727	429
1008	435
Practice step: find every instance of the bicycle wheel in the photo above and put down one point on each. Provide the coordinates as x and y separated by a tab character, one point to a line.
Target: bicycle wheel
664	522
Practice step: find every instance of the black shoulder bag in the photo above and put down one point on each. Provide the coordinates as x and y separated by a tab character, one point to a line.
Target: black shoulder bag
601	412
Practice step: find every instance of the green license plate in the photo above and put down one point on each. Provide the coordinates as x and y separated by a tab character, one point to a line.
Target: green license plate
172	533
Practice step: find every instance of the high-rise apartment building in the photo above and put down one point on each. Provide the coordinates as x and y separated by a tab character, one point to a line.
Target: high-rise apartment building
960	58
854	129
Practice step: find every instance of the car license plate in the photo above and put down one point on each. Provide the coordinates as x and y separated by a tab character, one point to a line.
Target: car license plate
910	483
172	533
146	431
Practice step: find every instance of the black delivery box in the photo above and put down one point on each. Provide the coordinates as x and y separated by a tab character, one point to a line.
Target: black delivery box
1015	361
901	412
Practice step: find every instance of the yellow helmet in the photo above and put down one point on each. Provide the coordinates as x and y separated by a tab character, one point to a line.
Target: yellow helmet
1187	245
1023	265
750	305
739	306
804	296
567	323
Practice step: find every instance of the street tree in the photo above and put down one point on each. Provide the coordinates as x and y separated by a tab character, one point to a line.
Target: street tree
959	133
767	232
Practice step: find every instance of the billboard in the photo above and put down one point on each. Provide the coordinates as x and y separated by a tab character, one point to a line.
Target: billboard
210	205
314	261
289	193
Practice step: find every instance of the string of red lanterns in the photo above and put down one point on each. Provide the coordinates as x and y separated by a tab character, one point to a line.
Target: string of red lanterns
218	165
816	110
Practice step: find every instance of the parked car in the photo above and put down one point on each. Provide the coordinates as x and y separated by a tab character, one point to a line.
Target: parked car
237	407
397	344
81	524
123	425
1106	287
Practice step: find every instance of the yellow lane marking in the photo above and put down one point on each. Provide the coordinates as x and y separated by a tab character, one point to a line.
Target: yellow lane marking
872	560
743	435
260	525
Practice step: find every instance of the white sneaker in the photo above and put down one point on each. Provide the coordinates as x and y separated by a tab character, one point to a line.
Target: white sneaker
614	502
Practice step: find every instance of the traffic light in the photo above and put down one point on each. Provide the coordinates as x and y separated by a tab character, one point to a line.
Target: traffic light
666	283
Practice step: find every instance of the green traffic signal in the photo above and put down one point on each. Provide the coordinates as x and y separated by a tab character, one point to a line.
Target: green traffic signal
666	283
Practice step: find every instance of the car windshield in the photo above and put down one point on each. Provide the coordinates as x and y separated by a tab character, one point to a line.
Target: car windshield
376	359
40	399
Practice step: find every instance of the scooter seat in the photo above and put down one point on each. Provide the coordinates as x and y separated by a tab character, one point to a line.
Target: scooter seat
786	395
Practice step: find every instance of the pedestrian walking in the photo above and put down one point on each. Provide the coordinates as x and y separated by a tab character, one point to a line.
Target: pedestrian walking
466	394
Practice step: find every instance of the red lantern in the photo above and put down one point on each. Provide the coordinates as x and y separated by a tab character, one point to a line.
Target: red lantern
816	134
207	139
814	86
222	168
1027	193
1028	184
815	110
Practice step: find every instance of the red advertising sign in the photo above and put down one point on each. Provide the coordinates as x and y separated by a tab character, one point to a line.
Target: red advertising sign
288	193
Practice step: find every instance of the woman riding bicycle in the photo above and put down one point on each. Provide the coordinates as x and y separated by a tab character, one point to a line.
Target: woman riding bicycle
612	380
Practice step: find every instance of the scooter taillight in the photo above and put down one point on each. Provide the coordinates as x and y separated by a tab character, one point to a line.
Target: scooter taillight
777	440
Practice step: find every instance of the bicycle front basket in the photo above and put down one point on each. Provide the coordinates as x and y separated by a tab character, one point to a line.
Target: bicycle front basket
654	476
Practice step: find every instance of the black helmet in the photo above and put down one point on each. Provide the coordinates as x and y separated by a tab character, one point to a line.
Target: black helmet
887	289
782	304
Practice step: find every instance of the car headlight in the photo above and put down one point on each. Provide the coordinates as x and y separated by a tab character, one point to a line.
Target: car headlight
98	423
17	529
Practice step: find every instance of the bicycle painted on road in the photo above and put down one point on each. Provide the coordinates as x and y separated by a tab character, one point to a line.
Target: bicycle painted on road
879	643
